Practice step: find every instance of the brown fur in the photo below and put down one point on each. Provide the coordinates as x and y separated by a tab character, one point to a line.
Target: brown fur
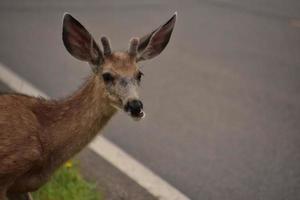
121	63
38	135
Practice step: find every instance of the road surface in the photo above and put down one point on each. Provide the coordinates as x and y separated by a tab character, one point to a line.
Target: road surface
222	101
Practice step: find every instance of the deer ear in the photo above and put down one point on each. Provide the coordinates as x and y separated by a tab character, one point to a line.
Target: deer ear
79	42
155	42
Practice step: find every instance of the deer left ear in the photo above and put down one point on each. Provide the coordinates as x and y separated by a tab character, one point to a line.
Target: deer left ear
79	42
155	42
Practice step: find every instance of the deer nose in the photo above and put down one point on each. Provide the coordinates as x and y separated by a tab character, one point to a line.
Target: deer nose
134	107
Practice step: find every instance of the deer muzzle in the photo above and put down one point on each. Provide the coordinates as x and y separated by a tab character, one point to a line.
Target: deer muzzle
135	109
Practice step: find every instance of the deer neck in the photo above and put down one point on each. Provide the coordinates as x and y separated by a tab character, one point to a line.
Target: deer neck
75	121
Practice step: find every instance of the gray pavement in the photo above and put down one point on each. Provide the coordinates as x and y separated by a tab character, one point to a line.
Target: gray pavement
114	184
222	101
4	89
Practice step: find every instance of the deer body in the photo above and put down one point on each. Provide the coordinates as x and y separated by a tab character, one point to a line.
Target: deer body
62	128
39	135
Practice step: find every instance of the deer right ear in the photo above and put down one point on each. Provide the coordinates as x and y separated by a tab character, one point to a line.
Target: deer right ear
79	42
155	42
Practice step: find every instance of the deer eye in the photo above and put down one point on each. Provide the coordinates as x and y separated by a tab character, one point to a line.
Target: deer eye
139	76
108	78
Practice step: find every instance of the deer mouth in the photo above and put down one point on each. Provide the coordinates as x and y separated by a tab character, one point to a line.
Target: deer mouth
134	114
135	109
137	116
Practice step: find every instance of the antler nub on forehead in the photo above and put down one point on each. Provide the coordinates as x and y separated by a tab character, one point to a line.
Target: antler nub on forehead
133	46
106	46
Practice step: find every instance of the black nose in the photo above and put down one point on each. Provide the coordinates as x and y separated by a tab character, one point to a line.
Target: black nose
134	107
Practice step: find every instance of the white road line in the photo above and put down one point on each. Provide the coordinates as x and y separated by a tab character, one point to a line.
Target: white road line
103	147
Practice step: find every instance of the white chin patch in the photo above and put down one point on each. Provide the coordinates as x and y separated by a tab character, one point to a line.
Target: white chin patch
138	118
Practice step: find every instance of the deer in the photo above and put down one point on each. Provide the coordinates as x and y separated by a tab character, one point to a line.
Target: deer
38	135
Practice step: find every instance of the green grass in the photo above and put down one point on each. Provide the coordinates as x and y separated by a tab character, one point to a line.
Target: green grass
67	184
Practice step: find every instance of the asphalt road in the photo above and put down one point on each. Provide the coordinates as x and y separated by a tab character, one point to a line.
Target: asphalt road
222	101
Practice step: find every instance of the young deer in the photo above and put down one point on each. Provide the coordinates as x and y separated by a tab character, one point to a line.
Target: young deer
39	135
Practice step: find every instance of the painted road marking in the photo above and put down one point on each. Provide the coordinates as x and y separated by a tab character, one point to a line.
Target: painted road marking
105	148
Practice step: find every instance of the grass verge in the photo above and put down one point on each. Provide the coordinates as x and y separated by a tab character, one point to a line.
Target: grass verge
67	184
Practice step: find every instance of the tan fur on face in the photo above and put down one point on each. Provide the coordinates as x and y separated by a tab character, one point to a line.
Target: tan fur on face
121	63
124	69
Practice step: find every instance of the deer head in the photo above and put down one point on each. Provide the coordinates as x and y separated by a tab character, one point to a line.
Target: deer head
118	70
